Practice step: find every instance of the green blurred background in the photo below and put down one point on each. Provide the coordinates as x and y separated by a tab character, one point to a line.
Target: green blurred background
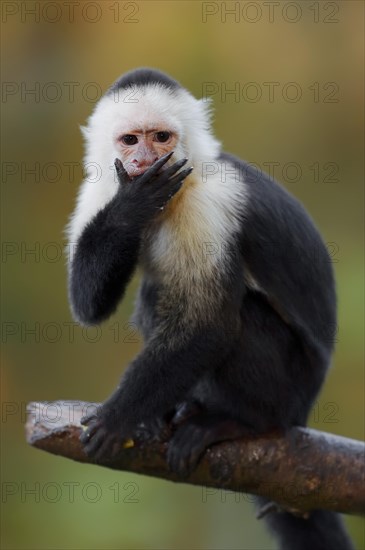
297	69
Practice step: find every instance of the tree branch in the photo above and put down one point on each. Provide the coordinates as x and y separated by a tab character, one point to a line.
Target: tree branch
301	471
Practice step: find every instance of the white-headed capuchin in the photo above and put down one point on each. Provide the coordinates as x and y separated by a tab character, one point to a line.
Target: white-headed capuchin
237	300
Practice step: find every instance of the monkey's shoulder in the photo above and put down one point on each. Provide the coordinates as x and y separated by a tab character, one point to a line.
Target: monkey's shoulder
271	211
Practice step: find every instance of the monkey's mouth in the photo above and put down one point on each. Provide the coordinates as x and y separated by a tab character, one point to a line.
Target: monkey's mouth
136	172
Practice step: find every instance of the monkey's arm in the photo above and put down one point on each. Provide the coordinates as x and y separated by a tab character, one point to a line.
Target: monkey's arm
107	250
104	261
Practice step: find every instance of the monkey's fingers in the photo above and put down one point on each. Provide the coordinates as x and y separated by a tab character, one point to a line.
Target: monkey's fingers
122	174
174	184
152	171
177	180
171	170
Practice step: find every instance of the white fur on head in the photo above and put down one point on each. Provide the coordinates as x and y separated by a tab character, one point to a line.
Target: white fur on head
143	106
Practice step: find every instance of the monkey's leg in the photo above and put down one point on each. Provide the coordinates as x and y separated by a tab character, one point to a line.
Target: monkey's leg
194	436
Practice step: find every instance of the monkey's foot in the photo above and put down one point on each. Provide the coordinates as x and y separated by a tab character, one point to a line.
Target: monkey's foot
101	440
192	438
156	429
106	434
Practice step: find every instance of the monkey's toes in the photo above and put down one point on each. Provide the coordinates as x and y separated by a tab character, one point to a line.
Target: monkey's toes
186	448
101	443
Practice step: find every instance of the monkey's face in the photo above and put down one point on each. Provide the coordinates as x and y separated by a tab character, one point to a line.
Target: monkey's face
138	149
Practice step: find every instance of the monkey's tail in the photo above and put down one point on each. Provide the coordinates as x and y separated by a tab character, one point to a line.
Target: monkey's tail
323	530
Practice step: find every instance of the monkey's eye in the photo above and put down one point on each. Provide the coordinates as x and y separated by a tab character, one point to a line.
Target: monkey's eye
129	139
162	136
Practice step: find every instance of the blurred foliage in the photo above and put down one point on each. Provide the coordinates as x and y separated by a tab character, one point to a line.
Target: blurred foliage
313	49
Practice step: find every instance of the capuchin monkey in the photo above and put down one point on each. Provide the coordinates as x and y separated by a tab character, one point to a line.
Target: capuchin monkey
237	301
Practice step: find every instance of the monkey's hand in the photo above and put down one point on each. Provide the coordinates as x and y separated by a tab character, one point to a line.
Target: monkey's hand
151	191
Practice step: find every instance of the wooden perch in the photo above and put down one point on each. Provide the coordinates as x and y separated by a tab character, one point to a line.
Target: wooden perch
302	471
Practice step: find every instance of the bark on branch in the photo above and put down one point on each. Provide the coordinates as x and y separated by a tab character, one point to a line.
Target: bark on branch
301	471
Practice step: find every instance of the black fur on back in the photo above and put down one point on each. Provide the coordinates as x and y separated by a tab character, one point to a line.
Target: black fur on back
142	77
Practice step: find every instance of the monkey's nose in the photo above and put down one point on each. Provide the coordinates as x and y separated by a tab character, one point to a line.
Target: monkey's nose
145	163
140	166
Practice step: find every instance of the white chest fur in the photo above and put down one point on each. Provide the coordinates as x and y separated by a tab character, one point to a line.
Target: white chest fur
185	250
